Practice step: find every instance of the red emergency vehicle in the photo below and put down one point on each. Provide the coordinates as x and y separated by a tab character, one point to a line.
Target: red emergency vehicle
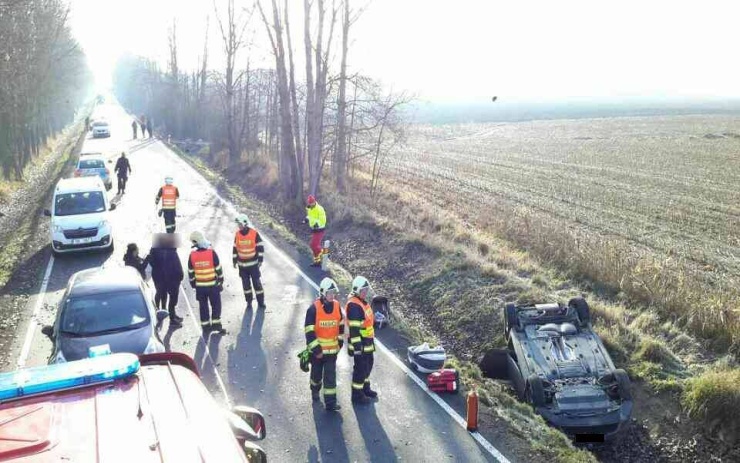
122	408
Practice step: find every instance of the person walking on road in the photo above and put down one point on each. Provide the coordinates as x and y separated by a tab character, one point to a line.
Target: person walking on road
316	220
87	124
248	253
142	124
123	168
149	126
169	195
134	127
132	259
361	346
324	329
167	274
206	277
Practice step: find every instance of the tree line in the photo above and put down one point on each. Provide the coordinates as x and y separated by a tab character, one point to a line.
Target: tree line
44	78
323	119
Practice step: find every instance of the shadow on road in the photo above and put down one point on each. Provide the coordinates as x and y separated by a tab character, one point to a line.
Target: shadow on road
246	358
332	445
376	440
142	144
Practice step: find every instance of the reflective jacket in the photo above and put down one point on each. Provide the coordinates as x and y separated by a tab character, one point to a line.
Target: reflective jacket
169	195
248	249
324	330
204	269
316	217
361	321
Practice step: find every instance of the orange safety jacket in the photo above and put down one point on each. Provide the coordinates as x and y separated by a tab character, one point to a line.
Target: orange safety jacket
327	327
169	197
246	248
204	267
366	326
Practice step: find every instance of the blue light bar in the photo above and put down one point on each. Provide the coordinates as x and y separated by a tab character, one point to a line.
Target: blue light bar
54	378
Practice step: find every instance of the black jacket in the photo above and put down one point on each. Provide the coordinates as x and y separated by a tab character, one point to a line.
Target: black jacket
136	262
166	267
123	168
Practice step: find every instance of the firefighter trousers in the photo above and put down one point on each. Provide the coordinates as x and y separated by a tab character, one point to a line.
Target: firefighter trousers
363	365
205	296
252	284
325	369
169	220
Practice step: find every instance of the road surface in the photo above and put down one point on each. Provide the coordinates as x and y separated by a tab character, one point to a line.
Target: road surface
255	363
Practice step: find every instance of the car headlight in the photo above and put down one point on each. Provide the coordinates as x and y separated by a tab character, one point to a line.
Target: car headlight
154	347
59	358
56	228
103	223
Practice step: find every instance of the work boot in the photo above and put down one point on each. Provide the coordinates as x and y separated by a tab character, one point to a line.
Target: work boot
333	407
175	319
206	327
262	306
370	393
315	396
360	398
218	328
249	305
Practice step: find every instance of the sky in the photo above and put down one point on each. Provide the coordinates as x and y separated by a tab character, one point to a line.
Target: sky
468	50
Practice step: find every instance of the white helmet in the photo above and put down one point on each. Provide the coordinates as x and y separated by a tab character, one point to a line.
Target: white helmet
358	284
168	180
242	220
197	237
326	285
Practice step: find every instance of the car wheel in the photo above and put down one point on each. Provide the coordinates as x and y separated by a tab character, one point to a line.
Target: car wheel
583	310
509	318
535	391
623	384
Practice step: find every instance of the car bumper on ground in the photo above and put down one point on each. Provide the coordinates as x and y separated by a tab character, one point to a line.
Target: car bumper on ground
607	426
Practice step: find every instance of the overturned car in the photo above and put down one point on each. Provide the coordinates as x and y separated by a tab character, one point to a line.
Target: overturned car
557	363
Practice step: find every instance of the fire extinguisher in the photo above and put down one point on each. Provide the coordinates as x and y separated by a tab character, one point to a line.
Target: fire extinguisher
472	411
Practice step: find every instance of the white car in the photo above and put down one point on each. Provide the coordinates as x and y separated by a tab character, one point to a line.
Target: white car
100	129
80	216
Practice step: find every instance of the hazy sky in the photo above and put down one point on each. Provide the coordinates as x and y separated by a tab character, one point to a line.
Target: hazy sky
472	49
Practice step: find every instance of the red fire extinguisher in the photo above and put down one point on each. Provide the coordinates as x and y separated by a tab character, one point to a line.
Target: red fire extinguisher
472	411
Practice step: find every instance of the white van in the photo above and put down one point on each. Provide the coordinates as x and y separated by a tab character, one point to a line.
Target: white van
80	215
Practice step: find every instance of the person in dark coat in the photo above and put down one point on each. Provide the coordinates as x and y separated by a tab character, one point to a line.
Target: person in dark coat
134	127
132	259
142	124
123	168
167	273
149	126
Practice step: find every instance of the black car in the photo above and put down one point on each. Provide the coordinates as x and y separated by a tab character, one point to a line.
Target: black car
556	362
104	308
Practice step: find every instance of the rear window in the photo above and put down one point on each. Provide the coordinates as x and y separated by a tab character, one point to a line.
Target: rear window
79	203
100	124
91	164
104	313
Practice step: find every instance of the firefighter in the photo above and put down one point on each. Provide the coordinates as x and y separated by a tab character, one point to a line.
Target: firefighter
324	328
361	344
316	219
169	194
206	276
248	253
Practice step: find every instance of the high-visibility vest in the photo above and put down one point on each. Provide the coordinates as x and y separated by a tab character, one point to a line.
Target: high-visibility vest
169	197
246	245
203	266
367	331
327	327
316	216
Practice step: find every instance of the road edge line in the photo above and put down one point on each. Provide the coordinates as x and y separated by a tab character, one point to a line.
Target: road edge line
26	349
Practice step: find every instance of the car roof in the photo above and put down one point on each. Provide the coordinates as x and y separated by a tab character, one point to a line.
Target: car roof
79	185
163	413
91	153
104	280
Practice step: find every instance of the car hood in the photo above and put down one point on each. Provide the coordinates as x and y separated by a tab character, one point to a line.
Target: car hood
73	222
132	341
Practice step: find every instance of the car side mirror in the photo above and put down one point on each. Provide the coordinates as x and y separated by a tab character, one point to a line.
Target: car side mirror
48	331
247	423
113	206
254	453
47	212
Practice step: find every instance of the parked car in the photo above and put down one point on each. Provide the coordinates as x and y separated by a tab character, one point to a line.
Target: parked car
80	216
558	364
106	306
100	129
91	165
121	407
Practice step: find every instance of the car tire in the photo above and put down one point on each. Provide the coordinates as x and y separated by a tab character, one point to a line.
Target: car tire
515	376
583	310
623	384
535	391
509	319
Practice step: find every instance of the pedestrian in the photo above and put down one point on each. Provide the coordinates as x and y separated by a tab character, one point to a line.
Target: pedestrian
134	127
316	220
206	276
87	124
169	195
149	126
132	259
142	124
167	273
324	329
361	344
247	254
123	168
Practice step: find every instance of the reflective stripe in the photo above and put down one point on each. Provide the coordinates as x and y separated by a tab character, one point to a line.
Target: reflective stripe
354	340
248	292
355	323
367	332
206	323
247	264
215	320
261	291
358	385
308	328
332	391
368	348
315	384
313	344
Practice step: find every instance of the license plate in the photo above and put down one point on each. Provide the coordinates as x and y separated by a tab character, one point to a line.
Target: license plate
82	241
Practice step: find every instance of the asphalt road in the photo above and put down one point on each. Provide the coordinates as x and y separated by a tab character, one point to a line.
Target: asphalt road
255	362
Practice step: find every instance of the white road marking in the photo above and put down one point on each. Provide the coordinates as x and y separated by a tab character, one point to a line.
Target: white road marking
206	349
495	453
26	349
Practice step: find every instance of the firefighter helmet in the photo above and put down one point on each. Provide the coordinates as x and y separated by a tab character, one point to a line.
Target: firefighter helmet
242	220
326	285
197	237
358	284
168	180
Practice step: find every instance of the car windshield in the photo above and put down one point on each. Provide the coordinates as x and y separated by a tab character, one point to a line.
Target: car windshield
100	124
104	313
91	164
79	203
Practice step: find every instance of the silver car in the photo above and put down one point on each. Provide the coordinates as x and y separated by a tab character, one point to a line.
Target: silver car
105	309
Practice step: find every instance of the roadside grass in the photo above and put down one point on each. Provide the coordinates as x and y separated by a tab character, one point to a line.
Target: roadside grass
714	398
